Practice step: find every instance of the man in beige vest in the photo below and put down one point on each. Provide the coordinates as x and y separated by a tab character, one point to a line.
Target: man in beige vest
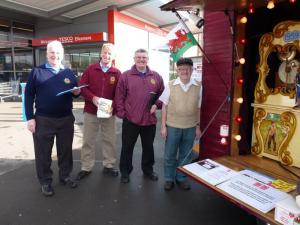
180	122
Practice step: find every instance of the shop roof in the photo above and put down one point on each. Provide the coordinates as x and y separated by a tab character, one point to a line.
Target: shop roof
213	5
66	10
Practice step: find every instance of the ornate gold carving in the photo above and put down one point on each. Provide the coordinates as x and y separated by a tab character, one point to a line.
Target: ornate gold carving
289	91
287	126
266	40
261	89
282	27
287	52
269	42
259	115
289	123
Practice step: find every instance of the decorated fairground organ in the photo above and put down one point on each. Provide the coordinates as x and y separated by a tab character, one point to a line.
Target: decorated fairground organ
276	129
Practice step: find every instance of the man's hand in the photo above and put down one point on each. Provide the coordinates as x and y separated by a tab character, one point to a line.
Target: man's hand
163	131
96	101
31	125
153	109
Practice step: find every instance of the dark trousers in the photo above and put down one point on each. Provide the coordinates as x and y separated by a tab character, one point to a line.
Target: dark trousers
130	133
46	129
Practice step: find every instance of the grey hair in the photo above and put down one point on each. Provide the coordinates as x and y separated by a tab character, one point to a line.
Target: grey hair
55	45
141	50
109	46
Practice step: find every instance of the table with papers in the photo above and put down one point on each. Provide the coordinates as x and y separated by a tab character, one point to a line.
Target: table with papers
243	180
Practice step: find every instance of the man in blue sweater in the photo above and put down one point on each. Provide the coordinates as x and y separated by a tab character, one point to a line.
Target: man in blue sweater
53	117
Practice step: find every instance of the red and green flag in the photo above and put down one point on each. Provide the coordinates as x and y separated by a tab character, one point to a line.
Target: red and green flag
180	39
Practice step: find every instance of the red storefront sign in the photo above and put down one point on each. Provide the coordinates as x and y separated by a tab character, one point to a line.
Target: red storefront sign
71	39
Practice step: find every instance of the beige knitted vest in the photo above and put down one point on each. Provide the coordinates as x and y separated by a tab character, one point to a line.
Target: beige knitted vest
183	106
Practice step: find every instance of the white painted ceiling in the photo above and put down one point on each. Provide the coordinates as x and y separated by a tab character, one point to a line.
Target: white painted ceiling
66	10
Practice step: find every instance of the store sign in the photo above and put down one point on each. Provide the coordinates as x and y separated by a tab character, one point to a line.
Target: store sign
71	39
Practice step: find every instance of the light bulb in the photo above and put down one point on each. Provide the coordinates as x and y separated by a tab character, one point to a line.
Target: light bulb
240	81
271	4
242	41
224	141
244	19
240	100
238	119
251	8
238	137
242	61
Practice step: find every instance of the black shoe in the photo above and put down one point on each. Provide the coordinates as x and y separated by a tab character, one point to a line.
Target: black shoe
169	185
82	174
152	176
47	190
69	182
111	172
184	185
125	179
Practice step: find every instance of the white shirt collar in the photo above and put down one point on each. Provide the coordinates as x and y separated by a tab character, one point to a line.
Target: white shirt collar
191	82
48	66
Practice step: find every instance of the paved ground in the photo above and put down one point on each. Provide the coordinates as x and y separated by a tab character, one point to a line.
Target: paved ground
99	200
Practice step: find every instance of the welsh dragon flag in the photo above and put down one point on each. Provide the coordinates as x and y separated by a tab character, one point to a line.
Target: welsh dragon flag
180	40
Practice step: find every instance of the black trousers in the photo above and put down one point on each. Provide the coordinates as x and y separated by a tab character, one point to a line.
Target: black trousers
130	133
46	130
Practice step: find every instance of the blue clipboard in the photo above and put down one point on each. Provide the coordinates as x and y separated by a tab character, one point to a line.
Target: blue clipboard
72	89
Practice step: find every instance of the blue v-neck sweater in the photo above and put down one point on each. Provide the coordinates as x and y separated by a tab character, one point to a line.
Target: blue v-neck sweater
41	90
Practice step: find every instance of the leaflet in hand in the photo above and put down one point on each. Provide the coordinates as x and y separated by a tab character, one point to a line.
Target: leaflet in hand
104	108
70	90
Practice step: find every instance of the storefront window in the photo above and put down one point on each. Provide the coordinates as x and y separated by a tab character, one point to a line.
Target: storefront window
16	55
5	64
23	59
78	62
4	26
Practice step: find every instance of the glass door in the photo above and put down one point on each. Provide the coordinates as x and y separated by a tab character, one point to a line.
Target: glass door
79	61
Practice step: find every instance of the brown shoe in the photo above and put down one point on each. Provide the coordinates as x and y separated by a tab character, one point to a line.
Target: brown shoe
169	185
184	185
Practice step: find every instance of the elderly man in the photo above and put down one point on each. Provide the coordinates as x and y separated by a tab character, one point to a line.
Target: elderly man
101	78
53	117
180	122
136	103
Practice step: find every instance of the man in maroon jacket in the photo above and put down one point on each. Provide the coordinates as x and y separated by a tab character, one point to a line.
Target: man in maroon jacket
136	103
102	79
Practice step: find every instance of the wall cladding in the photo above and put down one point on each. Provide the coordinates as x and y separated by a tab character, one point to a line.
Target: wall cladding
218	47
